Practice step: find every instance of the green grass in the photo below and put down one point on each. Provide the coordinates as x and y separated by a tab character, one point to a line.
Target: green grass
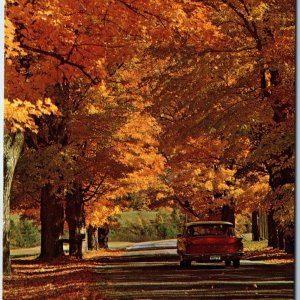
255	246
25	252
133	216
141	226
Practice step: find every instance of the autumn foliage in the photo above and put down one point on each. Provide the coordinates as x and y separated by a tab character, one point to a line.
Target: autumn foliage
189	102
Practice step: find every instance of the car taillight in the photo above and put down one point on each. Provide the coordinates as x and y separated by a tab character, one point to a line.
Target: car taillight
187	244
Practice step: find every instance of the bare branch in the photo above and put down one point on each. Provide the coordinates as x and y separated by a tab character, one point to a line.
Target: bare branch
95	192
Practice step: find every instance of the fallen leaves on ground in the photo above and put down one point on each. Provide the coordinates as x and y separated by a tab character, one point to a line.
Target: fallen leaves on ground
101	253
65	278
269	254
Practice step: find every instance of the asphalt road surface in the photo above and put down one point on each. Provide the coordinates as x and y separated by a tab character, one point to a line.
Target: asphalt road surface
160	277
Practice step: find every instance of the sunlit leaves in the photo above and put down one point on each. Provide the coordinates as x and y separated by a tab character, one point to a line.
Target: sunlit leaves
12	47
99	212
19	114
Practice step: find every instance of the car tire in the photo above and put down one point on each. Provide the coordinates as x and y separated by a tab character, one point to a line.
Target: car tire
185	263
227	263
188	263
236	263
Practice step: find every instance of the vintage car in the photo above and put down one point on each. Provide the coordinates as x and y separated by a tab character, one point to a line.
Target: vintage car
209	241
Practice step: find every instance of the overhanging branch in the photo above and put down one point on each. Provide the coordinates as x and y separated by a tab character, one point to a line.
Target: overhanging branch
62	60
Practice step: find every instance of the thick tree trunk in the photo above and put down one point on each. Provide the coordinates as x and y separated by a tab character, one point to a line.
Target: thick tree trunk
13	145
263	224
228	214
255	227
272	229
102	236
92	238
280	239
289	244
289	240
75	218
52	221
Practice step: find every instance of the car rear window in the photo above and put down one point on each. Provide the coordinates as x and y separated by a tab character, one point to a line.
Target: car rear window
210	230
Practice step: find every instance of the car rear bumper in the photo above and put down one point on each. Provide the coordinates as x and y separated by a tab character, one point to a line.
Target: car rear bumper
207	257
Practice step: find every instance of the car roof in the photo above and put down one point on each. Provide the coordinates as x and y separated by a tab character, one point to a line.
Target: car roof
208	223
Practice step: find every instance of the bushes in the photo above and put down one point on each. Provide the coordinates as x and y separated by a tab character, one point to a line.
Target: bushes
23	233
165	225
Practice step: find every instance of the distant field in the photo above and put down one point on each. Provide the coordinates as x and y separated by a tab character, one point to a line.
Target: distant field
133	216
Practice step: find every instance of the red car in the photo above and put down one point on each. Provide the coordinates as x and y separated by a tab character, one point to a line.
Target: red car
209	241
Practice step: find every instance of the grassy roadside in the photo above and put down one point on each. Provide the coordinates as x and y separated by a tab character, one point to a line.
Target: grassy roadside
261	251
34	252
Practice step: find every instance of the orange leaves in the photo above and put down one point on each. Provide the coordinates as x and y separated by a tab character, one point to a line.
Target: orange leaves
137	145
79	34
99	212
19	114
251	194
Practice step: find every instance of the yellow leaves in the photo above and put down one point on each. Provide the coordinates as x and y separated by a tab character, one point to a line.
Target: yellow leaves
12	48
197	172
208	186
19	114
140	127
45	107
249	193
237	192
221	186
268	77
258	12
179	18
160	196
100	212
92	110
218	107
231	81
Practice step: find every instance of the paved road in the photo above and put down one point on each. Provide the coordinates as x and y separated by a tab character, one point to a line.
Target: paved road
164	279
152	245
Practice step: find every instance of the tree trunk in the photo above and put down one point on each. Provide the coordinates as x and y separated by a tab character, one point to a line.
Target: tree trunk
281	239
75	218
52	221
272	229
289	240
92	238
289	244
255	227
102	236
13	145
263	224
228	214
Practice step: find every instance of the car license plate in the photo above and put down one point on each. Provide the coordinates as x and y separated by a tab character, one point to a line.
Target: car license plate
215	257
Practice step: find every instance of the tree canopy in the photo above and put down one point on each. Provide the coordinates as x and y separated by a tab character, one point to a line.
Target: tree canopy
190	103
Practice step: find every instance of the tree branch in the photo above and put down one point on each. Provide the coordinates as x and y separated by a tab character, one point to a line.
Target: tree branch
62	60
251	27
95	192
